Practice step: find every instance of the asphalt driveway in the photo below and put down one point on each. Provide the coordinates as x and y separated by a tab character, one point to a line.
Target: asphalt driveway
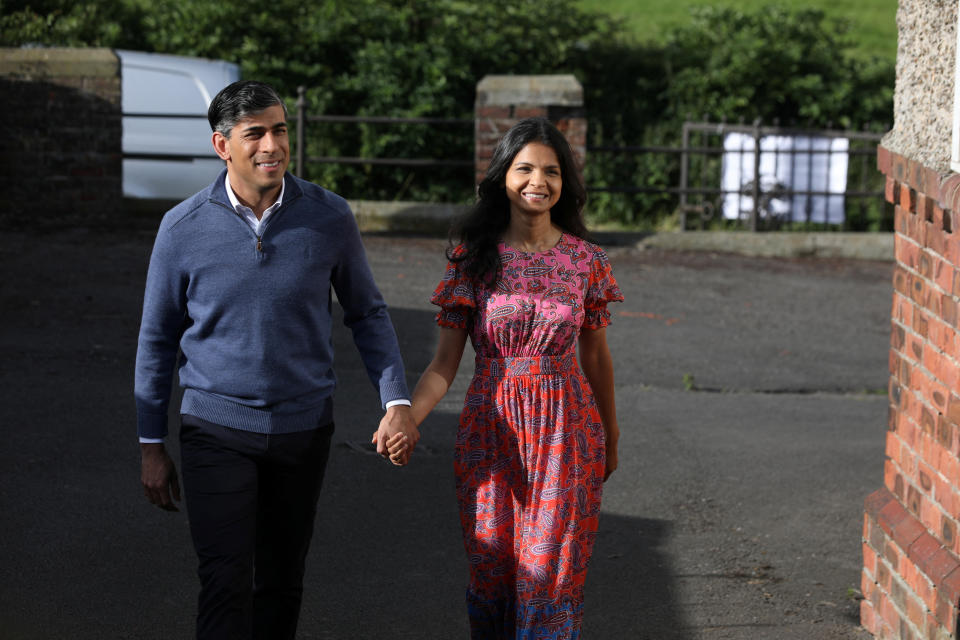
752	401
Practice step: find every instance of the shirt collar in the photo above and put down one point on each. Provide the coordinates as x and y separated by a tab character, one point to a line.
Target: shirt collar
239	206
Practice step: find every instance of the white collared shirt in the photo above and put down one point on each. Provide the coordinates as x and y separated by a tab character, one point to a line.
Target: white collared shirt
247	212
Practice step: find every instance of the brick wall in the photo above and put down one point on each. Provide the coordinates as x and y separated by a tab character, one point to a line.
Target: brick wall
911	551
911	554
62	110
504	100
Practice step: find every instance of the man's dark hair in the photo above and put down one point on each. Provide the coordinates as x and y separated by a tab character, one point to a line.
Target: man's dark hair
240	100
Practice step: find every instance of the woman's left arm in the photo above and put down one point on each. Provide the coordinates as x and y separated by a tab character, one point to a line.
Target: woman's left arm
597	365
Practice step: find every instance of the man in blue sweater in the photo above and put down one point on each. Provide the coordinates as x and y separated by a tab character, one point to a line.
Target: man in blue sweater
239	287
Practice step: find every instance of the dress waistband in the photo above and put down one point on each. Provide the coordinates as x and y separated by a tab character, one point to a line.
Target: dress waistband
536	366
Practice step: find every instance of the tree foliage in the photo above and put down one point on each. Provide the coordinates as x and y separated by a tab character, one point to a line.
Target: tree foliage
425	57
773	64
67	23
793	67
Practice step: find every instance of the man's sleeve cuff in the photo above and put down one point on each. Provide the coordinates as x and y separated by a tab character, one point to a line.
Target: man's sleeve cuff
393	390
152	425
402	401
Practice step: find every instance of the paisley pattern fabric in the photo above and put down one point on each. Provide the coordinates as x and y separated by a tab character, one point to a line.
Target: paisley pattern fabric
529	457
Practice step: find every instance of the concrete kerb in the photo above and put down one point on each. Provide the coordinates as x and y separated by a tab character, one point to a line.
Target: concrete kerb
405	217
861	246
435	219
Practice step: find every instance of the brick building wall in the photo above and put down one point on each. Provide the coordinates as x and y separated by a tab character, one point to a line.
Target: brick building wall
62	108
911	574
504	100
911	551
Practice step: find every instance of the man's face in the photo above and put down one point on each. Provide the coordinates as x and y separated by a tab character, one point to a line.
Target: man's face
257	153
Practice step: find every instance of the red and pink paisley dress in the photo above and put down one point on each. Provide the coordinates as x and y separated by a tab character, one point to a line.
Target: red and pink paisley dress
529	457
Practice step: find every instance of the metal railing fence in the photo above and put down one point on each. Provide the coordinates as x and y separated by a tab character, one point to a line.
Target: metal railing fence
694	177
691	175
303	119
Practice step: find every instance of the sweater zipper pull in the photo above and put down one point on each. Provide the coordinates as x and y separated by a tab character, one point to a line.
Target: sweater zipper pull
259	244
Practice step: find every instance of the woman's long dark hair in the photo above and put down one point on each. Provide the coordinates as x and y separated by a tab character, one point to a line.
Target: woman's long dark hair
482	228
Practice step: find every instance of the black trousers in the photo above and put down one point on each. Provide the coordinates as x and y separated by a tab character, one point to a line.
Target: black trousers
251	500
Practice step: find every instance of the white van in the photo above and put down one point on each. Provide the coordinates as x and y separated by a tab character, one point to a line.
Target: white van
168	156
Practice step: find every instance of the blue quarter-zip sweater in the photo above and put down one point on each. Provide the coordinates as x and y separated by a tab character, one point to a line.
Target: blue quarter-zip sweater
250	316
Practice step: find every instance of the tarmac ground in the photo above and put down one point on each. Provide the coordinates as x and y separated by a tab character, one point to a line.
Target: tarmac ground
752	401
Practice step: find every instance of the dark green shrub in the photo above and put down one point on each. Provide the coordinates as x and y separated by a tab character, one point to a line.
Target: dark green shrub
425	57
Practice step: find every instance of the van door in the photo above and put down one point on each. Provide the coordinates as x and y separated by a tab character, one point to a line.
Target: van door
166	138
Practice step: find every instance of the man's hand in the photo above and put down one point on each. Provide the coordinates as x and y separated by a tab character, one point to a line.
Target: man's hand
158	475
397	426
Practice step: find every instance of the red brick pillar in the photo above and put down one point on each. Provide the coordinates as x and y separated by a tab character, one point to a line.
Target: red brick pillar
504	100
911	567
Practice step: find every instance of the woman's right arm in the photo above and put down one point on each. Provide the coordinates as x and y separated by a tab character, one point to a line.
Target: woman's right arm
432	386
439	374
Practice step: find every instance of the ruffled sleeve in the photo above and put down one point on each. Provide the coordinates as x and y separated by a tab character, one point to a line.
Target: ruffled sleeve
601	289
455	297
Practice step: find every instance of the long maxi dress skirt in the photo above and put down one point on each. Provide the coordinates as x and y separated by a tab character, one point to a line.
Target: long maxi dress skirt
529	458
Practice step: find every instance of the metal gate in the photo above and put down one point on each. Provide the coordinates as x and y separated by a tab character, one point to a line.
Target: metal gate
788	177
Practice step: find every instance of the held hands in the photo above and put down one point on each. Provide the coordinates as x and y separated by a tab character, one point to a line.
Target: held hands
397	435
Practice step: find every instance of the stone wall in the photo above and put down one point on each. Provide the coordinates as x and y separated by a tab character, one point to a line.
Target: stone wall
923	100
62	108
911	552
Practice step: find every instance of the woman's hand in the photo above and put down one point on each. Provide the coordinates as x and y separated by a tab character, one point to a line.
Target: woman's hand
397	447
598	367
611	445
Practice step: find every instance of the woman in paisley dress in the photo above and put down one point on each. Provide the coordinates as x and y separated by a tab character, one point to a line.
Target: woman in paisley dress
538	433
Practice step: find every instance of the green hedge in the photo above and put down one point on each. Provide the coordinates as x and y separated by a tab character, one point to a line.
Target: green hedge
424	58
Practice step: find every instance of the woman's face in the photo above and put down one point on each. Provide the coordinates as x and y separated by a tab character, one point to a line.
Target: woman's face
533	181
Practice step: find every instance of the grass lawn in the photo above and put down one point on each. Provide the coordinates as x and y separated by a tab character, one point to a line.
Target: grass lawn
873	22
